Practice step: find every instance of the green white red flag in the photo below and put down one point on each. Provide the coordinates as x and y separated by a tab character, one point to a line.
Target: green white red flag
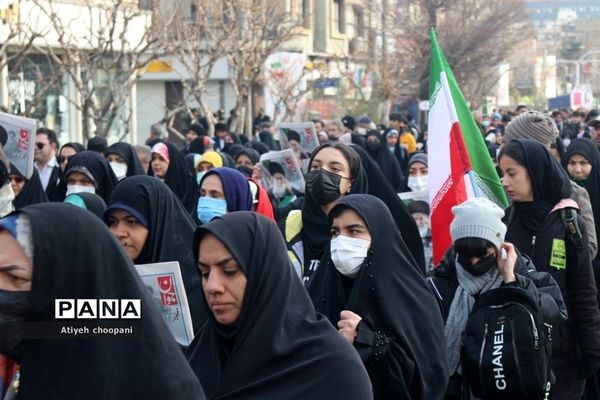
460	166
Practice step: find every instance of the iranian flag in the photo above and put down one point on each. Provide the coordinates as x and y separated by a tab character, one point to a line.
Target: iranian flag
460	166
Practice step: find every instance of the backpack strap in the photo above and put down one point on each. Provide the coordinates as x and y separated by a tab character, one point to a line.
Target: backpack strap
569	219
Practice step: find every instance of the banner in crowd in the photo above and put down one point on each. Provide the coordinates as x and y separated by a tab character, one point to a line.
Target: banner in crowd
283	166
17	137
463	167
306	131
165	285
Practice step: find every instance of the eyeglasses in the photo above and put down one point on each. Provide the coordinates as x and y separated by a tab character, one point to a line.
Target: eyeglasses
17	179
40	146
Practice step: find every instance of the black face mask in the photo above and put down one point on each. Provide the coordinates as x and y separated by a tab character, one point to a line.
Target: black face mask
481	267
373	146
323	186
14	308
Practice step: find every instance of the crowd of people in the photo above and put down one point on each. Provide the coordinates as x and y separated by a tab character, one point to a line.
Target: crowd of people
324	291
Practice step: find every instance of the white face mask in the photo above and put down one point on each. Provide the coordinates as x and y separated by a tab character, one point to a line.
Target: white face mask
80	189
348	254
418	183
361	131
6	198
119	169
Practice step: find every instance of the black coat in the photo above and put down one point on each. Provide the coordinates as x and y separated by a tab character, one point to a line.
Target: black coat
75	256
400	337
279	347
576	282
539	285
53	191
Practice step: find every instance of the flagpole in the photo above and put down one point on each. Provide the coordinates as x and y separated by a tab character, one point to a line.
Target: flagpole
473	179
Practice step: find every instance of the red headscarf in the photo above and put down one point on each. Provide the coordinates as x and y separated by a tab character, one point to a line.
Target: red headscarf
261	200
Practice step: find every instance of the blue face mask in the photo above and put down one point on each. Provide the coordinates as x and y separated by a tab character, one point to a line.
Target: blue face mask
209	208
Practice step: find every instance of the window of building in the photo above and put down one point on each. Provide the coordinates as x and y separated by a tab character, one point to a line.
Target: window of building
146	4
359	22
338	16
305	13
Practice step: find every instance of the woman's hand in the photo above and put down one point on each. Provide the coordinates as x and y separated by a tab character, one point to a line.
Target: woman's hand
506	266
347	325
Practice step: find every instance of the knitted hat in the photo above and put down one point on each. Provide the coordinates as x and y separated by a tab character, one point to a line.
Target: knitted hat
532	125
349	122
478	218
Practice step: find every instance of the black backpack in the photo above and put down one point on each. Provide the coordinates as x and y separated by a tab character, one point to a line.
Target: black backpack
506	352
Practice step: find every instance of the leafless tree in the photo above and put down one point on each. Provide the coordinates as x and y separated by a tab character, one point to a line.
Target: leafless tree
256	29
15	40
113	43
476	37
199	42
31	78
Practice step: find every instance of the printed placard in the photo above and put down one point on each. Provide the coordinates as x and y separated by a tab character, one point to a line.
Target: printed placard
165	285
17	138
307	132
284	165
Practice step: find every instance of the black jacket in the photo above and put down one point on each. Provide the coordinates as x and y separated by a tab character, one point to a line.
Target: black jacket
539	285
52	190
579	336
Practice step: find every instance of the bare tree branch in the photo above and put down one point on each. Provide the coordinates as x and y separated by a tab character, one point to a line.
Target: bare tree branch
116	41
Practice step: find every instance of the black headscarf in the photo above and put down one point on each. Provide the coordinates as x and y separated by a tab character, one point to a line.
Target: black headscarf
588	149
387	162
380	188
250	153
88	201
170	234
267	139
96	165
78	147
393	296
233	149
196	146
258	146
549	181
32	192
315	228
279	347
400	153
127	153
227	160
79	258
179	178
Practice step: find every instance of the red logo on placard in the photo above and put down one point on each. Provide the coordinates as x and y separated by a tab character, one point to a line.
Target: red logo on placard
290	164
167	290
23	140
309	134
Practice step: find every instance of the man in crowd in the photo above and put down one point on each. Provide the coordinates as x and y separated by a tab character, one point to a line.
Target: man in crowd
46	146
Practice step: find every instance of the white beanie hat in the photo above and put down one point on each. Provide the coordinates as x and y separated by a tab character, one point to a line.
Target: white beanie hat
478	218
